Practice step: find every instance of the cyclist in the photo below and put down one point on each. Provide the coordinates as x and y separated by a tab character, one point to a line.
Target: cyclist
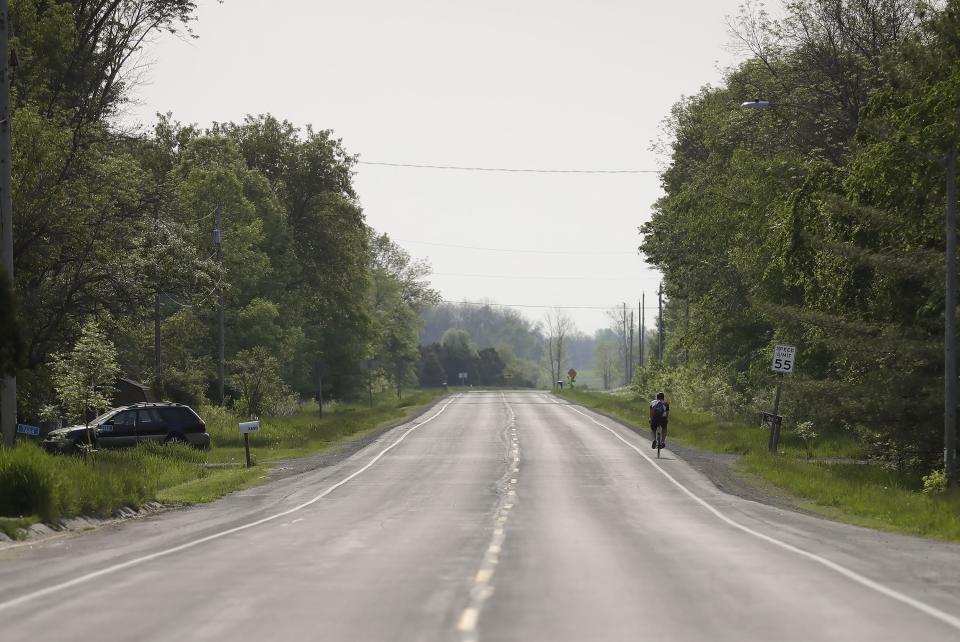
659	416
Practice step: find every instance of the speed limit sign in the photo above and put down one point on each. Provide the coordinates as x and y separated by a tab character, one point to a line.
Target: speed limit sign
784	359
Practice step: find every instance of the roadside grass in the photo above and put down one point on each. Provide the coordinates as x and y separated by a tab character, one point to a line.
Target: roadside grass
213	486
14	527
36	486
856	492
863	494
700	430
306	432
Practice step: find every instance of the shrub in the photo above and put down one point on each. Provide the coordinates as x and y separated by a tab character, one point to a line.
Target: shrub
935	483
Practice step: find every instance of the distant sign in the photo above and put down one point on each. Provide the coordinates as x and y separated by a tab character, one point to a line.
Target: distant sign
508	375
248	427
25	429
784	359
462	375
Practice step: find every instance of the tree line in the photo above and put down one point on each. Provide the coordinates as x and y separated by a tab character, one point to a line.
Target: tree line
817	223
115	234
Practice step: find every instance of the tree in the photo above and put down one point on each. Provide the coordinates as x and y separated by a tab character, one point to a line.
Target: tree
490	367
256	375
606	360
558	327
430	370
459	355
84	377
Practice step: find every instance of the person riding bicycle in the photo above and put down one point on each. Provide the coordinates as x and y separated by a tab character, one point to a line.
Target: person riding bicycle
659	416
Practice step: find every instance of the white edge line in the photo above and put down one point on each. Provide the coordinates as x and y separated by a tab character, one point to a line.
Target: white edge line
842	570
176	549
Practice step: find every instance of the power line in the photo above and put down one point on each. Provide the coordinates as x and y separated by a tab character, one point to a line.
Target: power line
547	278
514	251
525	170
547	307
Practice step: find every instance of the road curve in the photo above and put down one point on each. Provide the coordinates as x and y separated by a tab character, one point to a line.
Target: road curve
494	516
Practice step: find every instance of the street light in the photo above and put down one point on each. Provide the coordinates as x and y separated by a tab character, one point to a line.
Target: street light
950	295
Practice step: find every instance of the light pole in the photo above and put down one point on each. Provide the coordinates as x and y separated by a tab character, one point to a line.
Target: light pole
950	294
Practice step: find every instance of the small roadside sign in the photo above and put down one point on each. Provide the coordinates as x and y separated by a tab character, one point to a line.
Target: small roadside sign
508	375
247	427
784	359
26	429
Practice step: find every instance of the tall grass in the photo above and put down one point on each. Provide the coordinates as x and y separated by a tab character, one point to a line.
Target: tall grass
48	486
701	430
306	431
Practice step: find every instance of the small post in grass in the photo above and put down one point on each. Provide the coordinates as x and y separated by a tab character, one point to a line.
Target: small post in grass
247	427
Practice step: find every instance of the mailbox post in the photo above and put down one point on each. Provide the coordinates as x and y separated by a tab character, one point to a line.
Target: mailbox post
247	427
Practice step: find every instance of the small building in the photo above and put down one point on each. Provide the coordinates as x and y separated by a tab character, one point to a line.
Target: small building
129	391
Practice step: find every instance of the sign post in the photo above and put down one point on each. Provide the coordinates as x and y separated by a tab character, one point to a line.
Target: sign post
784	361
463	378
247	427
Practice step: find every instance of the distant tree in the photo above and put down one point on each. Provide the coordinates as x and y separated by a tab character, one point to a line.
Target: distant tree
559	326
490	367
430	370
606	357
459	355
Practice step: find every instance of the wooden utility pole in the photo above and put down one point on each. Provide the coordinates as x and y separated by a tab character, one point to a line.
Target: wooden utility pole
643	297
630	374
218	239
660	318
8	389
626	346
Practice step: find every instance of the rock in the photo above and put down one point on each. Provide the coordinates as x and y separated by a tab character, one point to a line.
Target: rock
4	538
41	530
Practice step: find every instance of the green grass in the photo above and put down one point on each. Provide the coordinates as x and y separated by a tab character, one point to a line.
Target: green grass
36	486
307	432
866	494
700	430
14	527
863	494
215	485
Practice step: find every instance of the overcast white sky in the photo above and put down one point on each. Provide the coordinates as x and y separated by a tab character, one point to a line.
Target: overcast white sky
550	84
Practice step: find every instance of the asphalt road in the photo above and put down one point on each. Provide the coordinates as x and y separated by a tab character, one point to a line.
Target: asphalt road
494	516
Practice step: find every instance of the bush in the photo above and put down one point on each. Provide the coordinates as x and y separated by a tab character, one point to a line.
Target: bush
935	483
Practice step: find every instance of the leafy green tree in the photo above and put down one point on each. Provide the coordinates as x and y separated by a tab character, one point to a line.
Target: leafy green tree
84	377
256	376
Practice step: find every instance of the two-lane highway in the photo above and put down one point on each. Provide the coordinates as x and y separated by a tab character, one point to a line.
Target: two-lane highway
494	516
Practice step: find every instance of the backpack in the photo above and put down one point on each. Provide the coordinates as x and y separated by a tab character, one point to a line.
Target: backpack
659	409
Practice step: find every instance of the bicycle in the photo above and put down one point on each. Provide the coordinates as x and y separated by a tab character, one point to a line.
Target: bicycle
660	443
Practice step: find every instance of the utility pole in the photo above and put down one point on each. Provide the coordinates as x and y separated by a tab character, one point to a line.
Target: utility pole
218	239
660	318
686	332
8	391
626	355
643	331
631	349
950	328
157	362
